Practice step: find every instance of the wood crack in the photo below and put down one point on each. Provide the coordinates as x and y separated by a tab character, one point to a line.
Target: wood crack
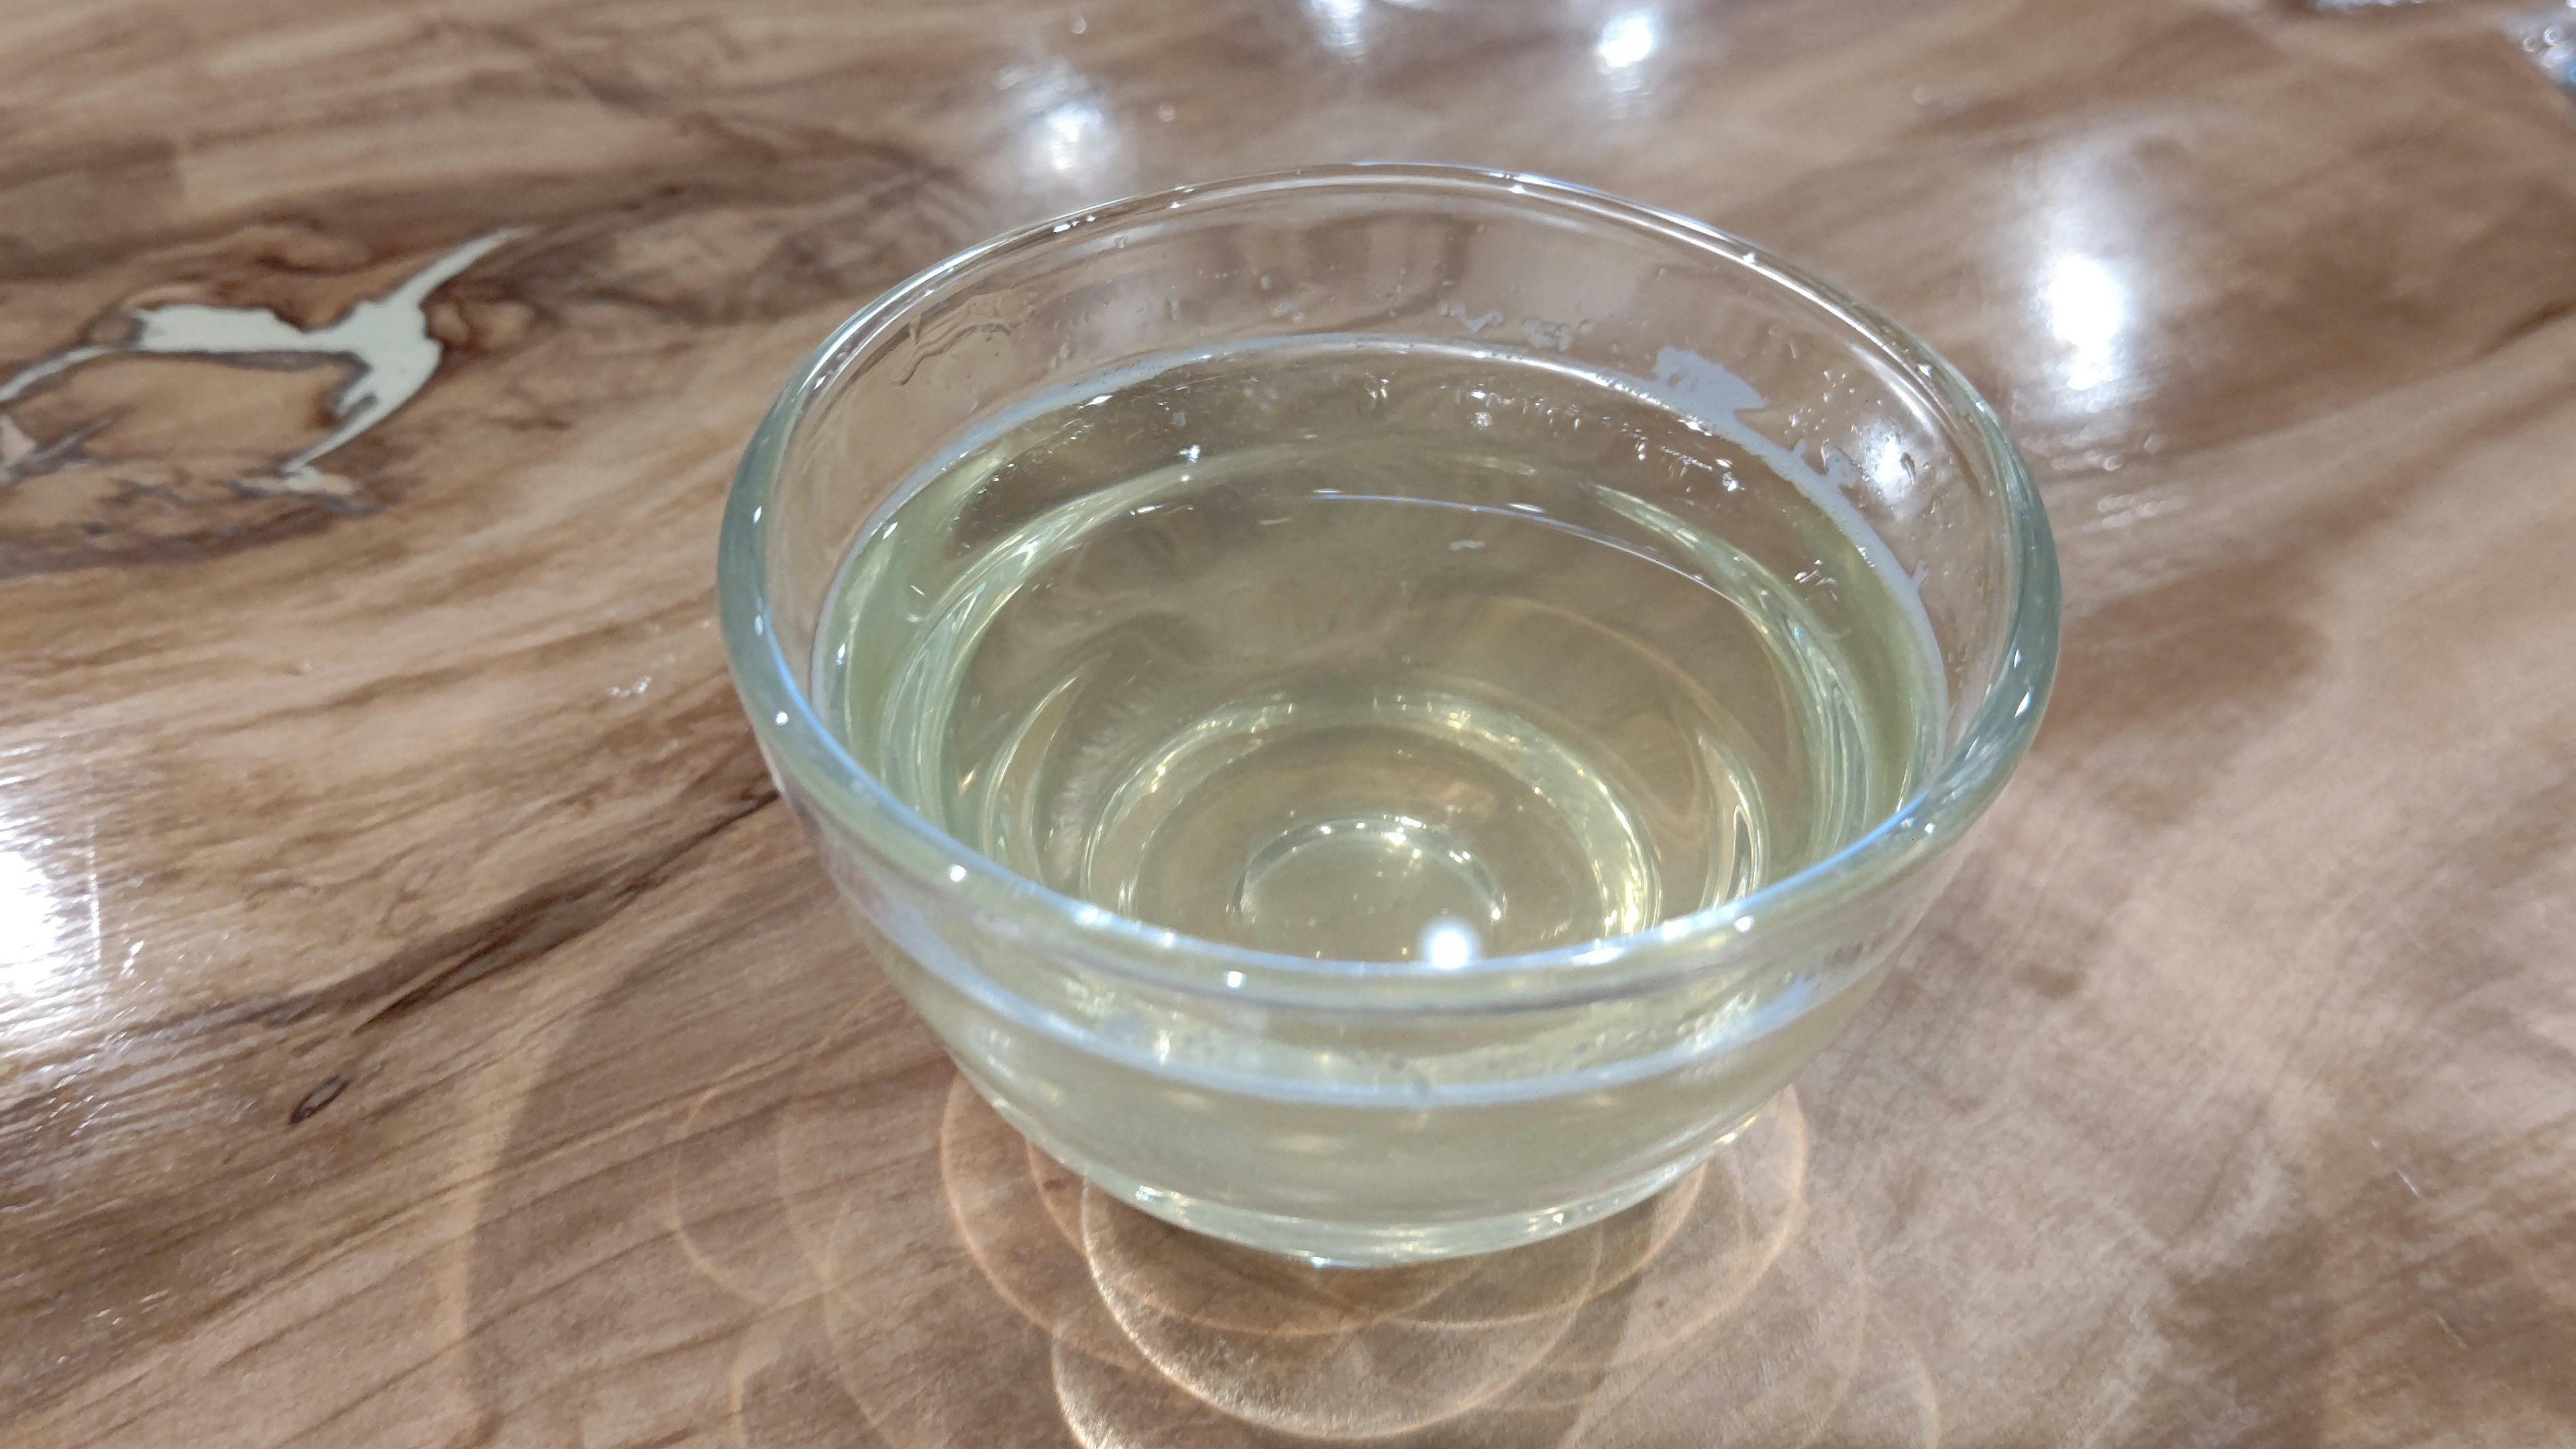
2528	324
520	931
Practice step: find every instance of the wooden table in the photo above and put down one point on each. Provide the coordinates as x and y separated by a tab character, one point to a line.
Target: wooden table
419	1025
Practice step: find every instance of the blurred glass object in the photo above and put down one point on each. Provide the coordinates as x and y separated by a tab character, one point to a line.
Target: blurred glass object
2548	36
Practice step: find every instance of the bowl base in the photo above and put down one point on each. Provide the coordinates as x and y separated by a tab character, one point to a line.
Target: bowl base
1329	1244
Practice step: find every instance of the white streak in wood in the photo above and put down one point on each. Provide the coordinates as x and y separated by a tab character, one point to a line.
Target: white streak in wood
386	339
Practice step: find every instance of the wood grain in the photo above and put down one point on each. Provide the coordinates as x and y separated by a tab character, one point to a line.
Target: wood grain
417	1026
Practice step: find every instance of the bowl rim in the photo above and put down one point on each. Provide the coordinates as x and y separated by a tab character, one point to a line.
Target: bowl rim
1968	774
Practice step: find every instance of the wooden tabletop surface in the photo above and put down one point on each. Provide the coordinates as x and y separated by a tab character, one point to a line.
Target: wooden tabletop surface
419	1025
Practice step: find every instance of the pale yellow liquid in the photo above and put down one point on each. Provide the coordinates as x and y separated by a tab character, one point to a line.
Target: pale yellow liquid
1374	651
1377	653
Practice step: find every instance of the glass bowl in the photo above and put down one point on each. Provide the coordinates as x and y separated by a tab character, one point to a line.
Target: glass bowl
1353	1111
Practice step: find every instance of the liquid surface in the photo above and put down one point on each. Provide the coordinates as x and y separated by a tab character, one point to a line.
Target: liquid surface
1373	650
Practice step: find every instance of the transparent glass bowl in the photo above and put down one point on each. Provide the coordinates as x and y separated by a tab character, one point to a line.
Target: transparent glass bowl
1359	1111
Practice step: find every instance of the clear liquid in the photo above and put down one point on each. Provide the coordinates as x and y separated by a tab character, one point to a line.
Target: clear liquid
1378	650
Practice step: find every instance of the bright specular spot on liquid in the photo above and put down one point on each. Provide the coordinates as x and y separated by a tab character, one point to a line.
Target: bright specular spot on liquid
1379	651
